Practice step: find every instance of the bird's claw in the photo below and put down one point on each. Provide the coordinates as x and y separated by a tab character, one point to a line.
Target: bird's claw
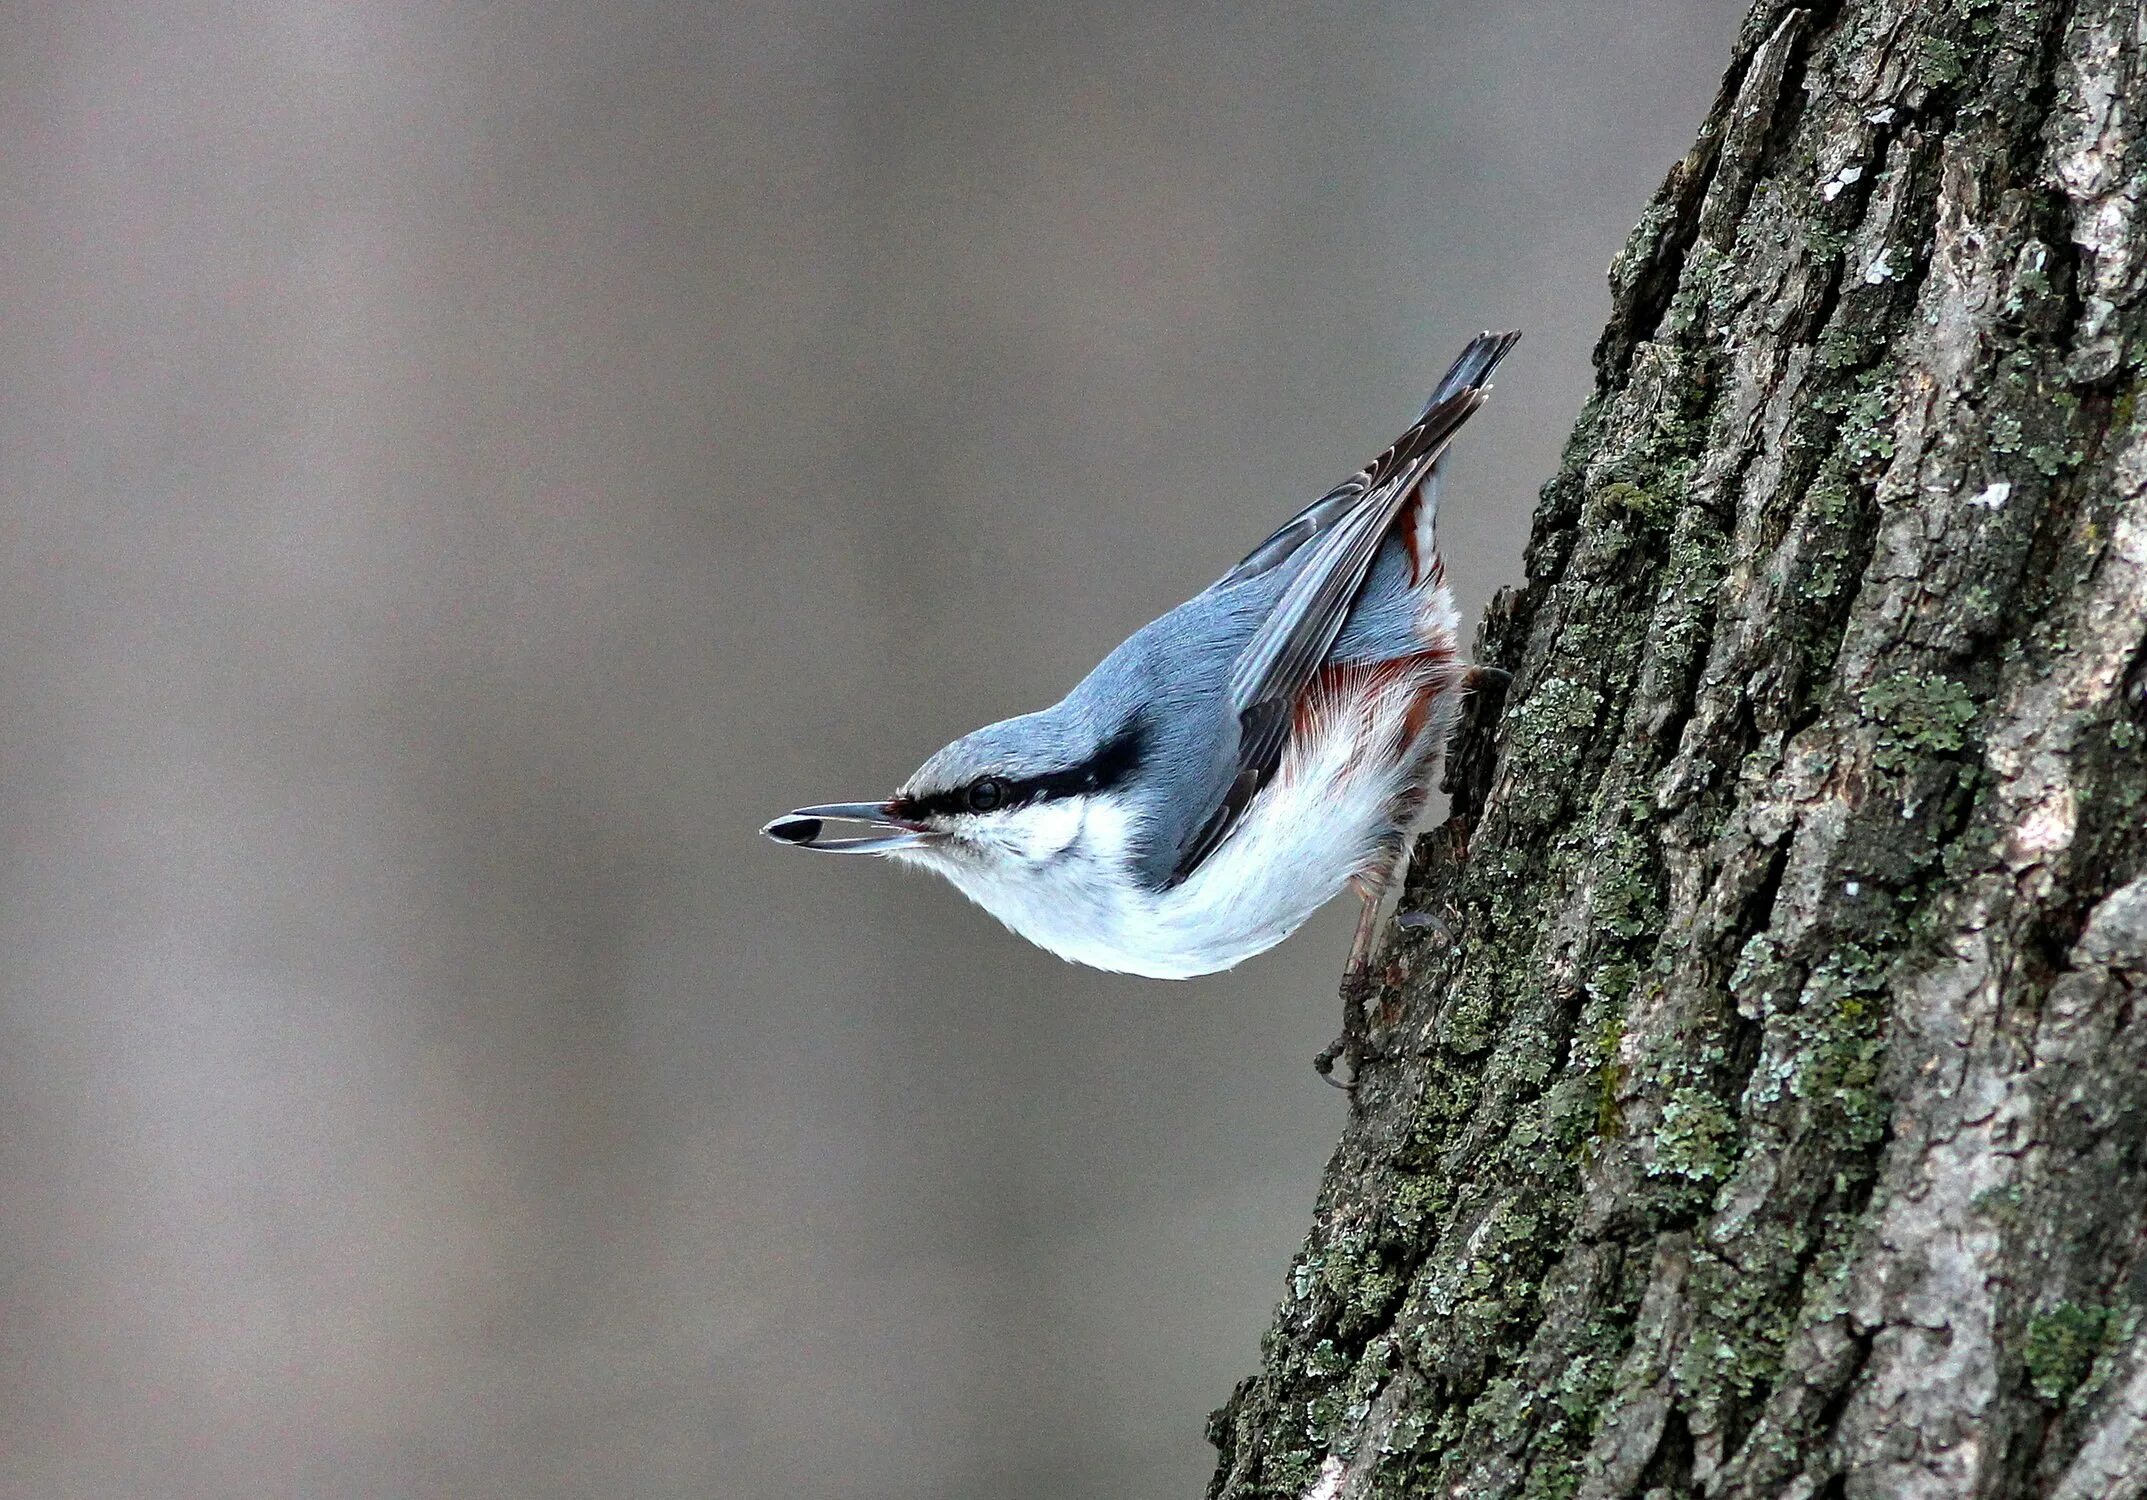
1353	1045
1429	923
1342	1049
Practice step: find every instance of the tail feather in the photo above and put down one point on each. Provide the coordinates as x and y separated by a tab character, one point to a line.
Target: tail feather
1431	428
1473	366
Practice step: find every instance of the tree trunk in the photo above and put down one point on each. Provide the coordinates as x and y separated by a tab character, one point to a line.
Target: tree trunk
1760	1106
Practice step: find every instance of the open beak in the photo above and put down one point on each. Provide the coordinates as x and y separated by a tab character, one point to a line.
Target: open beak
807	829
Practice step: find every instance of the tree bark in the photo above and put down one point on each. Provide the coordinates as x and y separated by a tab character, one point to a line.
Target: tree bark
1760	1106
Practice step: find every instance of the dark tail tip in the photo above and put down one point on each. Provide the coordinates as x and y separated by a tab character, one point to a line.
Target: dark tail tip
1474	365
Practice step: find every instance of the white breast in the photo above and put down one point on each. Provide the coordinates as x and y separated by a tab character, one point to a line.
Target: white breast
1328	815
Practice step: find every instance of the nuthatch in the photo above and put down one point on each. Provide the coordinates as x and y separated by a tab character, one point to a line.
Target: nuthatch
1229	768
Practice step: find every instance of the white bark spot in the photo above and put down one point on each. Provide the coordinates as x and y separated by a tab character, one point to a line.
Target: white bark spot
2045	832
1329	1485
1994	496
1831	189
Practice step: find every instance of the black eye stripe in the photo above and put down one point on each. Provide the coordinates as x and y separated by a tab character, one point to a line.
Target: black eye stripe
1115	759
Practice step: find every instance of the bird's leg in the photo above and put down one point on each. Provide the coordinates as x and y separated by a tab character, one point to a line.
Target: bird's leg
1349	1047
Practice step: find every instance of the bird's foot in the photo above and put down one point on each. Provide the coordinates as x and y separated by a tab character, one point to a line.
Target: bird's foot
1353	1046
1430	924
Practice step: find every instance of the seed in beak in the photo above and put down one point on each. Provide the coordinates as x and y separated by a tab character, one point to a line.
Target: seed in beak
794	830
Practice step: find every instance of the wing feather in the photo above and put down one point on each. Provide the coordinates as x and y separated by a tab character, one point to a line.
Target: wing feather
1344	530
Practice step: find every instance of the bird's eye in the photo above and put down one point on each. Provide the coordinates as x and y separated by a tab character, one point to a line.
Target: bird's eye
986	793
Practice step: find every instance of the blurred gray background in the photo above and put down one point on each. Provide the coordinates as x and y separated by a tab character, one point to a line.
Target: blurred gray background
466	466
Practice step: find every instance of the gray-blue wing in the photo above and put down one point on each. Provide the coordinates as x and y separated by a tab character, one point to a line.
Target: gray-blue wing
1339	534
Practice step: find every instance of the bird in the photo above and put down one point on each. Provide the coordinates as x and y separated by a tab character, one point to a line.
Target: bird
1234	764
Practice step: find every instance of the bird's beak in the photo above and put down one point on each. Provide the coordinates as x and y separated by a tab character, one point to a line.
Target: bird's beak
806	828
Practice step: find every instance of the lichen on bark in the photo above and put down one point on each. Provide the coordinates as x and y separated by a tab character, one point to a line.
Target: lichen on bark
1766	1112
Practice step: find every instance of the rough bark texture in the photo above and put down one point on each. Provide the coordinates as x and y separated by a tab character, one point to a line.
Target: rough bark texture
1765	1113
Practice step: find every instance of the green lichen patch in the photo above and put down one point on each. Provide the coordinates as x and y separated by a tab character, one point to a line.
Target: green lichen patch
1356	1277
1842	347
1572	1112
1831	550
1418	1198
2061	1347
1838	1069
1698	553
1940	63
1762	980
1866	436
1923	714
1559	710
1623	501
1695	1139
1736	1350
1832	1046
1628	900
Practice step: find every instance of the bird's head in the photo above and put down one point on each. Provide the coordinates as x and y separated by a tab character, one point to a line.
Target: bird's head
1014	796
